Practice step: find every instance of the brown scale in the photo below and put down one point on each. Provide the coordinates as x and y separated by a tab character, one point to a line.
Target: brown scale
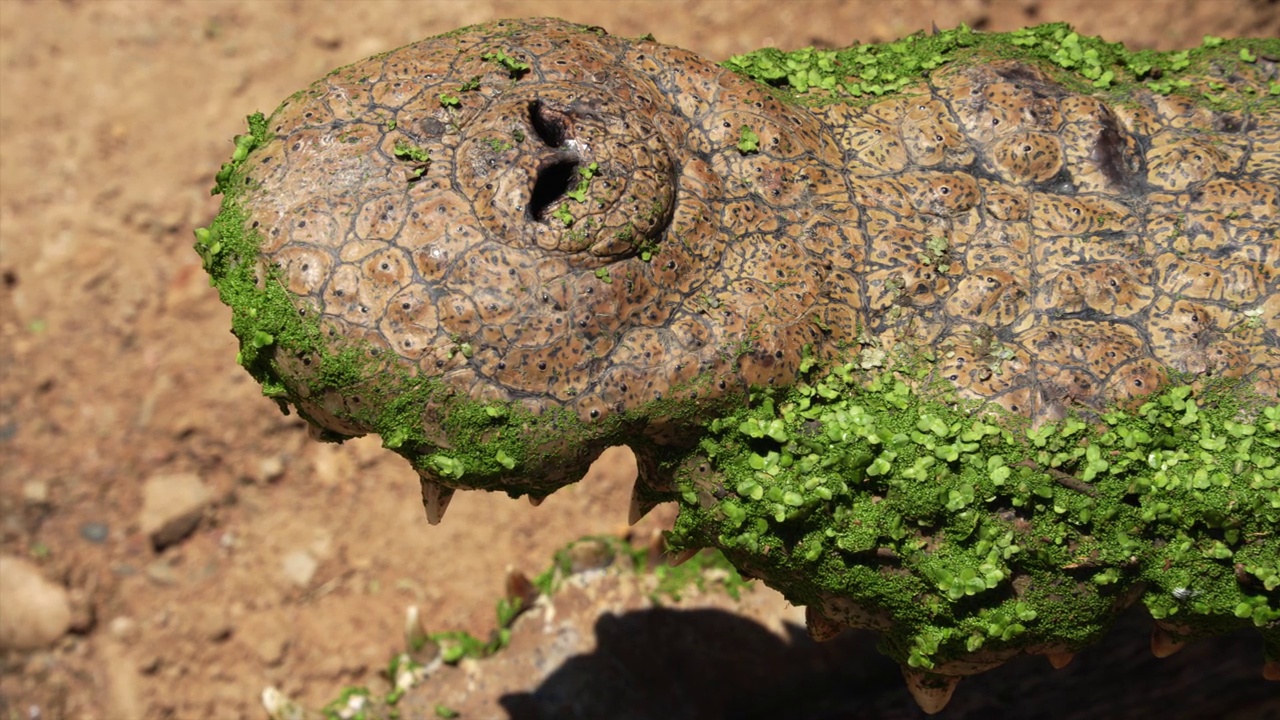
942	194
1238	283
1005	203
1053	250
874	147
989	296
931	136
1027	157
1054	214
1176	161
1264	155
1004	245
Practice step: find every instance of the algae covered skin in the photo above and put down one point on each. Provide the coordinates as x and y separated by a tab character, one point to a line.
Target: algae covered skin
970	338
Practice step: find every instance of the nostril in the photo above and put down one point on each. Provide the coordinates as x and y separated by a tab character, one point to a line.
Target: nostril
552	183
549	126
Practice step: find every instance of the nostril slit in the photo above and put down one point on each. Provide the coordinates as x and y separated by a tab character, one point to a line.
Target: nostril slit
552	183
548	126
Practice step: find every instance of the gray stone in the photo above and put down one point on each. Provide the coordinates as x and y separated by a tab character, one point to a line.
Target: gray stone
95	532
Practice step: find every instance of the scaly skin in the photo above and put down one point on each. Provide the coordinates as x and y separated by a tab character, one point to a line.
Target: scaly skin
507	248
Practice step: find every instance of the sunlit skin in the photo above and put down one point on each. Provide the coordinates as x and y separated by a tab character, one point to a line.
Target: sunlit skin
547	219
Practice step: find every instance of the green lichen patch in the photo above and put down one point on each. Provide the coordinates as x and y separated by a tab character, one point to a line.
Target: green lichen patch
1082	63
972	531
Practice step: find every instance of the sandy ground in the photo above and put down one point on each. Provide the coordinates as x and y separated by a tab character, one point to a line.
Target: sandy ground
118	368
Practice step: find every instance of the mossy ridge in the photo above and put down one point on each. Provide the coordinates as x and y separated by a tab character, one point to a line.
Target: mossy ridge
863	74
972	531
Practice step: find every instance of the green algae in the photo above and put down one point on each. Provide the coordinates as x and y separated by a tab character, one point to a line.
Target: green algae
972	530
865	73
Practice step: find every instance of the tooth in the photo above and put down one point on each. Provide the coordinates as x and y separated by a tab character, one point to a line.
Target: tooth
1163	644
416	640
652	482
639	506
415	636
535	501
1060	660
931	692
820	627
435	498
280	707
683	556
1271	670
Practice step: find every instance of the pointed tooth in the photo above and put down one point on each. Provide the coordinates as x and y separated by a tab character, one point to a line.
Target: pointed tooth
821	628
534	500
417	642
435	498
682	557
1271	670
1163	644
639	506
650	482
931	692
415	635
1060	660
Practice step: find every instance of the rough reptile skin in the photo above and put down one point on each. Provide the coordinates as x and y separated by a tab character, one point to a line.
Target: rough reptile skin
1103	247
622	239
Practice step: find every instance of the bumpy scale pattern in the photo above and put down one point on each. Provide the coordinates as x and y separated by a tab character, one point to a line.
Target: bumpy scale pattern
542	213
617	231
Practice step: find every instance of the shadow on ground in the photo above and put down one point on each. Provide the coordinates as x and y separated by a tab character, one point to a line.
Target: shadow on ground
672	664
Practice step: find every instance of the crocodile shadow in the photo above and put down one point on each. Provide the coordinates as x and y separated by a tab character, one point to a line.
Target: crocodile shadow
672	665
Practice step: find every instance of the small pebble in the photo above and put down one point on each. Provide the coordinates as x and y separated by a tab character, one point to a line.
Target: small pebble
172	505
270	468
124	629
300	567
271	649
161	572
35	492
94	532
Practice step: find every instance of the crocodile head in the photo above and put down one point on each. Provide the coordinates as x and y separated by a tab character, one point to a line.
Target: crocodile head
507	248
513	245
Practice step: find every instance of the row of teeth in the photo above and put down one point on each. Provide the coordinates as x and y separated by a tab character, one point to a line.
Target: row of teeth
931	691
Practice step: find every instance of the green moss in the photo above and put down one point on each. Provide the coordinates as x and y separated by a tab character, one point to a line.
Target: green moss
970	529
1082	63
515	68
706	569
